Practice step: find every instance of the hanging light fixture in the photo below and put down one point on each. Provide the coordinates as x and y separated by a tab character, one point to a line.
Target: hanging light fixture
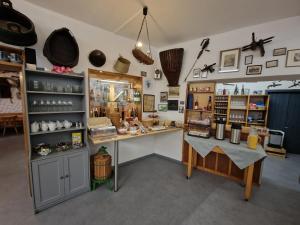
137	52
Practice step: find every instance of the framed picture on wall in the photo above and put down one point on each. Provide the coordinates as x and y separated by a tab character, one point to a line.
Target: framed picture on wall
248	59
293	58
196	73
162	107
174	92
164	96
148	103
173	105
254	70
230	60
272	63
279	51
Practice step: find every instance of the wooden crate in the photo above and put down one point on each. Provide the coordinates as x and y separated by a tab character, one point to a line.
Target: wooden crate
280	152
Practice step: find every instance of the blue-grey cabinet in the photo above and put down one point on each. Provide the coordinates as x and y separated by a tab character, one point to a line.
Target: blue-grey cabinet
60	177
48	181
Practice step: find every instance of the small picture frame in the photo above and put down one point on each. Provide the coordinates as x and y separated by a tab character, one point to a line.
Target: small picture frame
164	96
230	60
293	58
254	70
272	63
162	107
204	74
181	109
279	51
196	72
143	73
248	59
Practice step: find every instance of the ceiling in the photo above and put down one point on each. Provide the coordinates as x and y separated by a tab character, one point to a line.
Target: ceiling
173	21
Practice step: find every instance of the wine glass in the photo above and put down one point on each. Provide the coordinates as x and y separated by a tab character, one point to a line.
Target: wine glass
42	105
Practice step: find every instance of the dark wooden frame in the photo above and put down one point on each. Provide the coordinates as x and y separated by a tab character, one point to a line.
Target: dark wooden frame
248	56
238	61
279	54
144	102
272	61
287	55
254	73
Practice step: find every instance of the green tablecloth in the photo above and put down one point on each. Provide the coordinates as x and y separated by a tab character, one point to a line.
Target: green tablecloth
240	154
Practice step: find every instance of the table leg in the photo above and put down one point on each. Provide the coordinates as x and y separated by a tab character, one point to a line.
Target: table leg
190	161
116	162
249	179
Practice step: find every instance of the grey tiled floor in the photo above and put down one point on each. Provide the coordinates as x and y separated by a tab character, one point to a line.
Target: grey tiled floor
155	191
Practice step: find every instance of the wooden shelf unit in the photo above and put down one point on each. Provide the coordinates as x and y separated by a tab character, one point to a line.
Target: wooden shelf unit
10	66
202	98
243	110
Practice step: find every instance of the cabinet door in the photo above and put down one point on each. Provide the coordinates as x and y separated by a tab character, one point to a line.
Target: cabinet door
76	172
48	181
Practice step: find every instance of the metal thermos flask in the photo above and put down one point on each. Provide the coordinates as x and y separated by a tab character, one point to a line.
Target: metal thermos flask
220	128
235	133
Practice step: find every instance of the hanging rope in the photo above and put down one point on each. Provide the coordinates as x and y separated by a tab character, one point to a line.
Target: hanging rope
138	54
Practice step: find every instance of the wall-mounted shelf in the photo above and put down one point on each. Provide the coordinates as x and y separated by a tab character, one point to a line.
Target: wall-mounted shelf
66	75
53	93
57	131
55	112
14	67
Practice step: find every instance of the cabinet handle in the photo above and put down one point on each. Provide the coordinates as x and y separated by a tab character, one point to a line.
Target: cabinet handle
67	176
62	177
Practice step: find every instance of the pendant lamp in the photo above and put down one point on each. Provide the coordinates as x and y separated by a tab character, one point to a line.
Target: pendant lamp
138	53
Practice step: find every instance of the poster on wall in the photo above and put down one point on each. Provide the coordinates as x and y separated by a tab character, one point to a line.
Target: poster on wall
149	103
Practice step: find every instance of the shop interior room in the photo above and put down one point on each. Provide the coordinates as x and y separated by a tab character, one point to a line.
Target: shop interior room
149	112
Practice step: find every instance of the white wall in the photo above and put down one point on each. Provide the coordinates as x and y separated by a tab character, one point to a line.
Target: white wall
286	32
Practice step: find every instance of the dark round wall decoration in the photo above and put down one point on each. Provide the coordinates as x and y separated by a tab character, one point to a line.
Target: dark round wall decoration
97	58
15	28
61	48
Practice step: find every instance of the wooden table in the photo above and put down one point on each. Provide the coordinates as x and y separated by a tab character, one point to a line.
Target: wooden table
247	176
118	138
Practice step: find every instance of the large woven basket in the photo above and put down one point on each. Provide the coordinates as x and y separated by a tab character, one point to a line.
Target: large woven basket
171	62
102	166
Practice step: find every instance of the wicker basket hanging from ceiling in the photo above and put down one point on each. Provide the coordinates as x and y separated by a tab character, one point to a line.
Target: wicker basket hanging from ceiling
171	62
139	54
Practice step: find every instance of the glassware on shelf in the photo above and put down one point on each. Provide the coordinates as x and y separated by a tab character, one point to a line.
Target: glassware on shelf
42	105
48	105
